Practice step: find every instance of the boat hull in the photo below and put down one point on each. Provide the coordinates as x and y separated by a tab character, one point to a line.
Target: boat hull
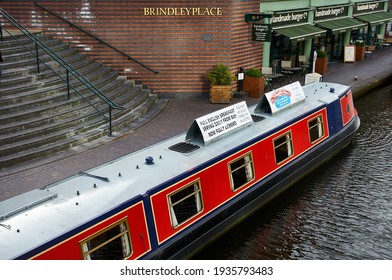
244	205
232	163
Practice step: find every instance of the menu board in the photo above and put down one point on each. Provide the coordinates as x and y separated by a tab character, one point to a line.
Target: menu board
261	32
349	53
221	122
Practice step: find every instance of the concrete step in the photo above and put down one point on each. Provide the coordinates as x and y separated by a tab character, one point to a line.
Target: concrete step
45	150
19	52
17	40
37	119
74	139
15	88
26	125
75	124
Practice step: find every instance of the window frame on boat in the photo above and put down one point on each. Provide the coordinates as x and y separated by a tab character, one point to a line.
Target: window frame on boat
245	170
286	145
124	236
187	193
318	128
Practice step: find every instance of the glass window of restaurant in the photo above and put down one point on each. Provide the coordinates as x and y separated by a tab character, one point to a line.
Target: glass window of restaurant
292	36
341	28
375	16
282	48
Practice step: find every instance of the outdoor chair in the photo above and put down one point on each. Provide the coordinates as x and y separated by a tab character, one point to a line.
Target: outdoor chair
304	64
369	52
267	73
266	70
381	43
285	66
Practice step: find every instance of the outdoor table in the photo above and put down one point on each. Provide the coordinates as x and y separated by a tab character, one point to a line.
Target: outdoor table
292	70
368	55
386	46
272	78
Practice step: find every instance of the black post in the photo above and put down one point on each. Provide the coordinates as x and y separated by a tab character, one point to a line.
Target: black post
240	79
69	95
36	51
110	120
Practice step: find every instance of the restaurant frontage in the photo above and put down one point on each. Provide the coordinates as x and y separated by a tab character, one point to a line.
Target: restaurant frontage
376	17
308	26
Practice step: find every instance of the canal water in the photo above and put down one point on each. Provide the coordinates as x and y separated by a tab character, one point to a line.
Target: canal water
342	210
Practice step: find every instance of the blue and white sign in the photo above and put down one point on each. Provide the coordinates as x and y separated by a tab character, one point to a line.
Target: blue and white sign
285	97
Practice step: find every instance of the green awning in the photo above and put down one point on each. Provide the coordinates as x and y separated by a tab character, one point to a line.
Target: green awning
341	25
300	32
375	18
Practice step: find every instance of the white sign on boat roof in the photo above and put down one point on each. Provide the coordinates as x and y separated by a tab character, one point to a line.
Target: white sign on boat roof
220	123
285	97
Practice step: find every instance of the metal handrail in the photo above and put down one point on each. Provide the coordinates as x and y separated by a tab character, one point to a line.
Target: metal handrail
66	66
54	72
97	38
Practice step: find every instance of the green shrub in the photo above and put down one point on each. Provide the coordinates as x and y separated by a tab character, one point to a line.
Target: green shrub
321	54
253	72
220	75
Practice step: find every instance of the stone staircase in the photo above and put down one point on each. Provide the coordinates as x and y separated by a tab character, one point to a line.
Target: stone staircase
36	118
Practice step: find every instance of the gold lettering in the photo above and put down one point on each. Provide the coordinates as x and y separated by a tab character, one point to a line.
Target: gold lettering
162	11
192	11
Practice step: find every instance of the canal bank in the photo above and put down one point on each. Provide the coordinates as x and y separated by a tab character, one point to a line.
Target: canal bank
176	118
362	76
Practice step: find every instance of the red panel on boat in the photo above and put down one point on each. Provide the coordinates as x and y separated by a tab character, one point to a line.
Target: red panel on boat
347	107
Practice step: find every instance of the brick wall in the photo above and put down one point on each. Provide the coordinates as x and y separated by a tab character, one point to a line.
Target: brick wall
181	47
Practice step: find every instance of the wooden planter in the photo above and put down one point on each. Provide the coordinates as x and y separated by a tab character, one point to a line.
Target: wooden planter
359	53
254	86
220	94
321	65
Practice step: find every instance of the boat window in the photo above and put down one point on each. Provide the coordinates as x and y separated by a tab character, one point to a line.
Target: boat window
112	243
185	203
241	171
283	147
316	129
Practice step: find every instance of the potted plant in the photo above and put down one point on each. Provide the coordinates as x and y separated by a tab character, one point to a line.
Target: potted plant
220	79
254	83
321	63
359	51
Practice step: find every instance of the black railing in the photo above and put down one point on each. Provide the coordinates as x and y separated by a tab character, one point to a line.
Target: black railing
69	70
97	38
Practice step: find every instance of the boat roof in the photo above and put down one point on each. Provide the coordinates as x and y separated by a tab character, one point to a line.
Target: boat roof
131	176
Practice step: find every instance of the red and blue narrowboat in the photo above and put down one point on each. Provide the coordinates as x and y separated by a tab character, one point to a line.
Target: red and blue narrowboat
171	199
